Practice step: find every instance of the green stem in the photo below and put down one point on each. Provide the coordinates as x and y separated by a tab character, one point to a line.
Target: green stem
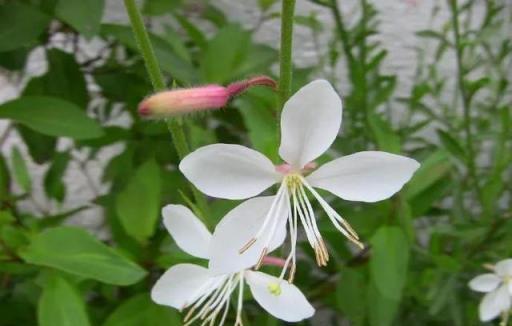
285	54
145	47
158	82
464	95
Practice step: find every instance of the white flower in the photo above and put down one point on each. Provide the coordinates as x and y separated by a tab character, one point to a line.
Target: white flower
310	122
498	289
207	295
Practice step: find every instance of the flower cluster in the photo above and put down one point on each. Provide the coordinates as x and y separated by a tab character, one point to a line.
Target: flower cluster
310	123
497	287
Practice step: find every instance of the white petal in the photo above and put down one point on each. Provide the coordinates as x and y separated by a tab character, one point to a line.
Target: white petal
237	228
287	303
365	176
181	285
494	303
485	283
229	171
187	230
310	122
504	267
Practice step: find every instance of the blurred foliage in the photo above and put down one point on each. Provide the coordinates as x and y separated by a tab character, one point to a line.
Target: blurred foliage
425	243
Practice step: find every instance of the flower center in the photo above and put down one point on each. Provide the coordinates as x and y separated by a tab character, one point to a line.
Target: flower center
293	181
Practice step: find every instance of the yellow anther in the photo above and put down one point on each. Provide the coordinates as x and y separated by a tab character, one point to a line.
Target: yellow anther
293	181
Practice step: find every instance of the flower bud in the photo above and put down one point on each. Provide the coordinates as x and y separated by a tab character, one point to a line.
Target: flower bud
182	101
188	100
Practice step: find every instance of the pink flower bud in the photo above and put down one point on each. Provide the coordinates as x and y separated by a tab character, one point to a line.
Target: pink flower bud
182	101
188	100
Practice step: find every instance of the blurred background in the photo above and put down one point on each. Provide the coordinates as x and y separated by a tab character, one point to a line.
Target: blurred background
81	173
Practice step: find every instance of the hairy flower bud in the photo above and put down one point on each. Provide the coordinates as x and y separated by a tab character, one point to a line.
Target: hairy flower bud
188	100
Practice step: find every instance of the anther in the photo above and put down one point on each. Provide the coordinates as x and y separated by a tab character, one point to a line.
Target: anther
247	246
260	261
291	276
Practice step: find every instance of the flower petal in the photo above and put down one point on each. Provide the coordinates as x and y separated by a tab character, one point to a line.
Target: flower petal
310	122
229	171
504	267
279	298
181	285
237	228
365	176
189	233
485	283
494	303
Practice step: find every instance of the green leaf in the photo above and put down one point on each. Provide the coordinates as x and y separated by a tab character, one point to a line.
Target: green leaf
193	32
64	79
20	25
83	15
4	178
257	110
452	145
122	86
159	7
21	174
259	59
14	59
382	310
351	295
385	136
40	147
141	311
169	61
61	305
51	116
388	264
225	54
424	201
75	251
54	185
138	205
432	34
266	4
435	167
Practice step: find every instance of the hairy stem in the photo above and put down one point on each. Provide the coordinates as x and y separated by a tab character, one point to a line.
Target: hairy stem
158	82
285	53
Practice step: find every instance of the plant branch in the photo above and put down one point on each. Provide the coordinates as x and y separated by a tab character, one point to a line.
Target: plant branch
158	82
464	95
285	54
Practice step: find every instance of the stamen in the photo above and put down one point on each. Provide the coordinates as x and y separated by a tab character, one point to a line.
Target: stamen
283	197
291	276
189	314
268	217
298	211
292	222
321	253
213	301
335	218
260	260
238	321
247	246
